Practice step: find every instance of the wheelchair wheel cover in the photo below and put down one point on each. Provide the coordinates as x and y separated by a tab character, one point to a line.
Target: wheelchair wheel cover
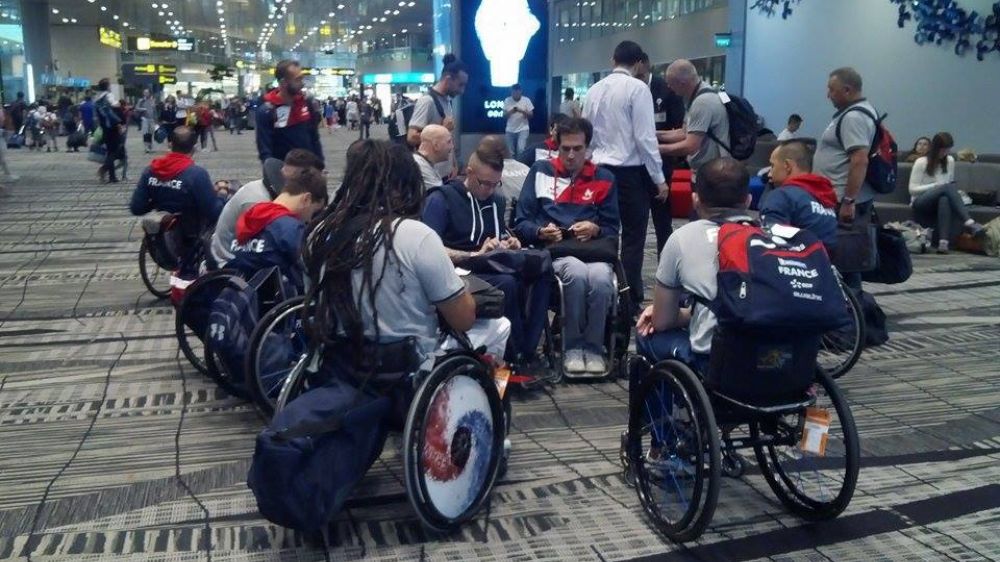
276	346
840	350
678	491
453	442
155	278
189	332
814	488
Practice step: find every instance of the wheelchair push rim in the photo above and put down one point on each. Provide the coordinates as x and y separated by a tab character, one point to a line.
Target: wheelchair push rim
453	442
155	278
673	451
276	346
840	349
813	486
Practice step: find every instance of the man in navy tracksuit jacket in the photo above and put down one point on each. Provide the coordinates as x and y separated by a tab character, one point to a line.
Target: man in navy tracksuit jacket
175	184
271	233
570	196
286	119
800	198
468	216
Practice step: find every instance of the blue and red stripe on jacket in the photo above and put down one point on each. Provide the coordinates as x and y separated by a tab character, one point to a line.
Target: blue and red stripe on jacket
551	195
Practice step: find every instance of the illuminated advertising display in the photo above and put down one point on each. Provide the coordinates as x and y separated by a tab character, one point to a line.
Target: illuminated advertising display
503	42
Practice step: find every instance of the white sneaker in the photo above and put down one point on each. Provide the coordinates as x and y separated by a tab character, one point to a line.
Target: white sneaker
595	363
574	362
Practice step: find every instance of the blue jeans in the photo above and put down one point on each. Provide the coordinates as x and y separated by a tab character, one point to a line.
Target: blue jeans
526	306
671	344
517	141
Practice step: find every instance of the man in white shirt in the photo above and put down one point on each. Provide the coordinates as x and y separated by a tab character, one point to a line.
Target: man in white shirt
791	132
436	145
621	111
518	110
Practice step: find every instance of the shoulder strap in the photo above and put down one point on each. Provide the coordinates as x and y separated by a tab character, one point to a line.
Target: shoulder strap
710	134
856	107
437	101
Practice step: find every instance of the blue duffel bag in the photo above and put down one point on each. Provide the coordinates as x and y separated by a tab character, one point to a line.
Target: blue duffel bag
315	451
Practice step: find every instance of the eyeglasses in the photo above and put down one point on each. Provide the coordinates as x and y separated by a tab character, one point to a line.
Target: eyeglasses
489	184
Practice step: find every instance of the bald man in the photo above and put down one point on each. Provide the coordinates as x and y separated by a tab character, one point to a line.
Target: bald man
436	146
706	124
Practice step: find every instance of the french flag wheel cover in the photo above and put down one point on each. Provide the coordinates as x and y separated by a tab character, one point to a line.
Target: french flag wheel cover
455	441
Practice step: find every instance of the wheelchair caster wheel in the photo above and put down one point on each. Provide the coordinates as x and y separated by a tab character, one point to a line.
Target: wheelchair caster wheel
733	465
627	473
502	470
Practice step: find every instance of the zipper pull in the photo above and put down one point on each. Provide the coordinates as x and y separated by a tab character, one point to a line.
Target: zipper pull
743	290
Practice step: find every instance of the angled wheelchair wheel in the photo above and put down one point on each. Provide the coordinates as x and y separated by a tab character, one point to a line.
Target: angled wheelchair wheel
813	486
216	369
453	442
155	278
276	346
840	349
673	450
191	316
298	380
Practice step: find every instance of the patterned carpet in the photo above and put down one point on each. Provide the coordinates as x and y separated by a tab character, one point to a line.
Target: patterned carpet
114	448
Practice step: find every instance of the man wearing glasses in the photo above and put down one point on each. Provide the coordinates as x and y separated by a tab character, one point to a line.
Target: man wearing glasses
570	198
468	215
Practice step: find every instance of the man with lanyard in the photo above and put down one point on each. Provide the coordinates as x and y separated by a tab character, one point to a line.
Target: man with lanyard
668	114
285	119
621	111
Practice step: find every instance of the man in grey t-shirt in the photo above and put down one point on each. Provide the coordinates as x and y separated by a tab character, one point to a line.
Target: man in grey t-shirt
690	264
276	173
706	123
434	108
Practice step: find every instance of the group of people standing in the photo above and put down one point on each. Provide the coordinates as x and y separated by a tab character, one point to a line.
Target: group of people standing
357	113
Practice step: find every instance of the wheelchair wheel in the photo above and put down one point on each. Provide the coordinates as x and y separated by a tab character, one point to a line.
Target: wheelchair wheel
191	317
156	279
813	487
216	370
453	442
673	451
840	349
276	346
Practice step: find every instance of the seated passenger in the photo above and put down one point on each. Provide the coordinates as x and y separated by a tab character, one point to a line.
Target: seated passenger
800	198
276	173
175	184
271	233
436	146
689	263
468	217
382	197
514	172
570	194
546	149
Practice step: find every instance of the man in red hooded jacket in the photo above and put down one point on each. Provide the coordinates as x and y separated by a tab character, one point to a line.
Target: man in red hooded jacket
287	119
271	233
800	198
175	184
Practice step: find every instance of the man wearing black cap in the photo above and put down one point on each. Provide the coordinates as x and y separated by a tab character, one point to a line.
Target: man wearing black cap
276	173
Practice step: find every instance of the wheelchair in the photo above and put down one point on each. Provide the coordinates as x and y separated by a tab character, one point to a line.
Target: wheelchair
163	243
840	349
454	436
617	330
192	320
276	346
684	431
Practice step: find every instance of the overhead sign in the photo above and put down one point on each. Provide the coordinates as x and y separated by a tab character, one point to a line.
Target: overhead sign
110	37
399	78
329	71
183	44
723	40
150	73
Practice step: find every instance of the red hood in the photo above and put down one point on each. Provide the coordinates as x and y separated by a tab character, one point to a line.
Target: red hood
274	98
170	166
817	186
256	219
586	174
550	143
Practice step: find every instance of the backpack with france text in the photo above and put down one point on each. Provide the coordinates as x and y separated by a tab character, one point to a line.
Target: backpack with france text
777	278
882	156
743	125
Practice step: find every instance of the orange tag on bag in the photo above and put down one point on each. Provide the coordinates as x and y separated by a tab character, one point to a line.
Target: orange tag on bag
501	375
815	432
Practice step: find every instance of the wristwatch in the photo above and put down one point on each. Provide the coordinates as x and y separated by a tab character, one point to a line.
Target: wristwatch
848	200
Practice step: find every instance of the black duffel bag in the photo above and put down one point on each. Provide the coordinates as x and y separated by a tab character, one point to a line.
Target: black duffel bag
489	299
856	249
894	264
526	264
600	250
